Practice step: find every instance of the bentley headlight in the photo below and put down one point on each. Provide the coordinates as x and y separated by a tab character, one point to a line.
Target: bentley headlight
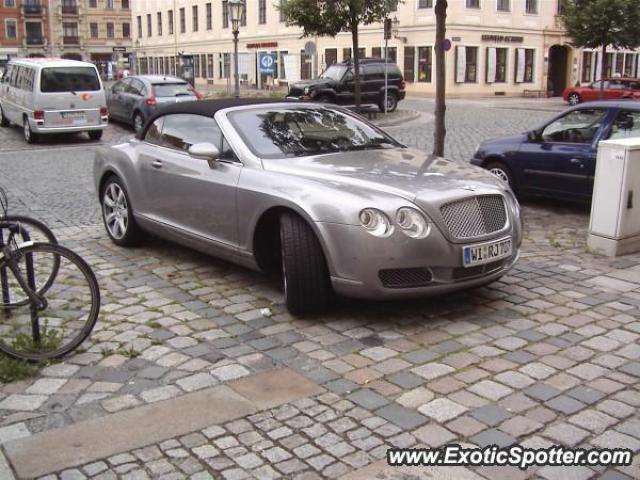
412	223
376	222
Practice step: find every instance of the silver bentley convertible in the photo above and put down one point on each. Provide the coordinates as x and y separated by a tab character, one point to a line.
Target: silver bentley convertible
313	193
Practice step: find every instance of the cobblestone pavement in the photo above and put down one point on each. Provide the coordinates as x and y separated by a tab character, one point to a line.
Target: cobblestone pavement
550	354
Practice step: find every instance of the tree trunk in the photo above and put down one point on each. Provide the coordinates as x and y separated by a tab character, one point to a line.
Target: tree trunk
441	79
356	61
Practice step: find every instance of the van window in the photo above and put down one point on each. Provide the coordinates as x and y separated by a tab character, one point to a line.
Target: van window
25	81
69	79
15	71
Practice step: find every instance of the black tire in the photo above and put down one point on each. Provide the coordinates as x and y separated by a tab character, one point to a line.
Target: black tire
36	231
127	233
82	326
137	121
27	133
500	170
323	98
574	98
307	288
4	121
392	102
95	134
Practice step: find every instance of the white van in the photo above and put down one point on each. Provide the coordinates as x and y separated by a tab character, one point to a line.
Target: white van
50	95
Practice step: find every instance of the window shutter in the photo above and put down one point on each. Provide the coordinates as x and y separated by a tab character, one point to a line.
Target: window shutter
520	64
491	65
461	64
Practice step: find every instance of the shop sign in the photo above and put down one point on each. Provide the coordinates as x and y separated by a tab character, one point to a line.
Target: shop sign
502	38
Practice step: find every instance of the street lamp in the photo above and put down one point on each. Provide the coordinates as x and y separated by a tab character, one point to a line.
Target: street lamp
395	27
235	9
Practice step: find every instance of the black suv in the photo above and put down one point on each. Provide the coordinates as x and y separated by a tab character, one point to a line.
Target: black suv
336	84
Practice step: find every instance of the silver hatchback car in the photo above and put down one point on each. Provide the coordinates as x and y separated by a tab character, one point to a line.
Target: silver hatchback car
135	99
314	193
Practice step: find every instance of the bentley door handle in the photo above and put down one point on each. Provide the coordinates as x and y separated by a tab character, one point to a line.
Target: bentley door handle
575	160
156	164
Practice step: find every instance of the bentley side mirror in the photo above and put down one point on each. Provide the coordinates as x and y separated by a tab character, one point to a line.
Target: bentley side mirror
204	151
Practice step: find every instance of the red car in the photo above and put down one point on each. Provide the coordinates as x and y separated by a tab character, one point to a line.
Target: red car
614	89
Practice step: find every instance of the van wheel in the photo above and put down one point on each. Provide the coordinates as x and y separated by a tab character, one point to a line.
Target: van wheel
95	134
4	121
138	122
29	136
392	102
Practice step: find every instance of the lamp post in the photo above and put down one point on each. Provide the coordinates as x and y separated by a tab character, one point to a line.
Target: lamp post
235	9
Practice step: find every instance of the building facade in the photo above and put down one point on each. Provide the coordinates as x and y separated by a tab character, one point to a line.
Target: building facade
10	33
98	31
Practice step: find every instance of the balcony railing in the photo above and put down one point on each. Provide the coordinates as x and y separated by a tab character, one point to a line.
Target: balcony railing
35	40
70	9
32	9
69	40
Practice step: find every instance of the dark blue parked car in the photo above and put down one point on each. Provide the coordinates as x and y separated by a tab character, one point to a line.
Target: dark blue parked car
558	159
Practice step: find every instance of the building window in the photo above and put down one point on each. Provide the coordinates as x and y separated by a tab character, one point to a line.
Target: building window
126	30
108	4
628	64
125	4
473	3
330	56
376	52
209	16
619	64
561	7
525	65
159	15
93	30
496	71
148	25
225	14
531	7
10	4
424	64
10	28
409	64
170	19
243	16
183	21
466	64
110	30
587	59
282	17
504	5
262	12
194	18
93	3
424	4
139	21
346	54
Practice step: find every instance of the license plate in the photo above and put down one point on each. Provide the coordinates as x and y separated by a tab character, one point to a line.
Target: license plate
74	118
482	253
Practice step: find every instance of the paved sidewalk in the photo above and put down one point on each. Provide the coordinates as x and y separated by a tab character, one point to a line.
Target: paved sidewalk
548	355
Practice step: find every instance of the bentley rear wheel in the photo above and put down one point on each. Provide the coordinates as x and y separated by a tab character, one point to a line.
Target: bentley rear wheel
304	269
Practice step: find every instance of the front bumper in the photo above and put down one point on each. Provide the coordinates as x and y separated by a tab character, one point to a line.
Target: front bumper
358	260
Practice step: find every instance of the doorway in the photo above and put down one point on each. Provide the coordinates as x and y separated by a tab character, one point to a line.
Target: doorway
558	62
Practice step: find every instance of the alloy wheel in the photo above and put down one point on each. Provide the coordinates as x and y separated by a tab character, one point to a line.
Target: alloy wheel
500	173
114	209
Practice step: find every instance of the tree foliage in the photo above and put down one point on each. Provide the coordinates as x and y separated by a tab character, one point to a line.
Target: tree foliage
603	23
597	23
330	17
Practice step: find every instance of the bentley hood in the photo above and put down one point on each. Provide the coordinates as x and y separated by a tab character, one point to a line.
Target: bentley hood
409	173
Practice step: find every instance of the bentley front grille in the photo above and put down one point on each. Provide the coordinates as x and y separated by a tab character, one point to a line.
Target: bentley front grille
475	216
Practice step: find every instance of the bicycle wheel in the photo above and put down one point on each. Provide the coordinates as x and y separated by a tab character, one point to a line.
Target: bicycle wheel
35	231
72	304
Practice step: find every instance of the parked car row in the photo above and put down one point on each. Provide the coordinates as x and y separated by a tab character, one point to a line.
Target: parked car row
606	89
47	96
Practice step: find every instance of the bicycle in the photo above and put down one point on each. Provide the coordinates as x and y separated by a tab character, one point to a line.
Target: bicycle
50	298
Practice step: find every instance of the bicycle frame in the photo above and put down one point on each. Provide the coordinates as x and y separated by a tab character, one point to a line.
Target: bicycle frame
38	303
